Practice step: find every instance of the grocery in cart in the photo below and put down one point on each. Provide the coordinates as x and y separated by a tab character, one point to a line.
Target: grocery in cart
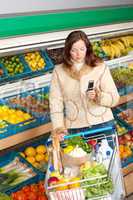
85	166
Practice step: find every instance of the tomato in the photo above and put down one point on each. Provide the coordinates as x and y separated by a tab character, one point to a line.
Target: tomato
42	197
41	187
26	189
13	196
32	196
20	195
34	188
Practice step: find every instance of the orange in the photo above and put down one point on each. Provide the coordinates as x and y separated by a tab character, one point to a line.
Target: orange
41	149
121	148
30	151
30	159
46	157
40	157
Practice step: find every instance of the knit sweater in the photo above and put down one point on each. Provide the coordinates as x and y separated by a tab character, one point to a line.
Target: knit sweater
70	106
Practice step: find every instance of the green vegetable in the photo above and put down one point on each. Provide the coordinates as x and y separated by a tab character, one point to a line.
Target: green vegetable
4	196
80	142
120	75
98	186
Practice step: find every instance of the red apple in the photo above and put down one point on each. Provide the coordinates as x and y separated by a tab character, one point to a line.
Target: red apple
92	142
52	180
127	137
121	140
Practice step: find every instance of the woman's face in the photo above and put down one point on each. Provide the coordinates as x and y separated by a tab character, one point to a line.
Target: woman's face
78	51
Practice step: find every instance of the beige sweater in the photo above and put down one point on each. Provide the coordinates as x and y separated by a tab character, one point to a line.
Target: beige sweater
68	95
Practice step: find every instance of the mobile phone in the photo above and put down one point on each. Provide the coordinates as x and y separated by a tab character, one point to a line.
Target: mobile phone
90	85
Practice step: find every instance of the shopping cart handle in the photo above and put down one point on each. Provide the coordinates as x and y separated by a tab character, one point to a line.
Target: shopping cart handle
89	132
85	133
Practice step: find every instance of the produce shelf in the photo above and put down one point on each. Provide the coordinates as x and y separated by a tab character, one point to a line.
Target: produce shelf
112	63
125	98
128	169
128	181
24	136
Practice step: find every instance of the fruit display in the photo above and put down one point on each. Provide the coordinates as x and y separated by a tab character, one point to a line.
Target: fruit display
31	103
37	156
35	60
56	55
127	116
117	47
1	72
126	145
34	191
13	65
121	129
97	48
3	124
130	65
13	116
120	75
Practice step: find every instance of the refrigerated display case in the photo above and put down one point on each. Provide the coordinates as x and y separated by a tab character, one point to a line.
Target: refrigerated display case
52	43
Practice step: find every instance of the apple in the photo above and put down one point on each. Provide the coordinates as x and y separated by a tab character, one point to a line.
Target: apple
92	142
53	180
121	140
128	137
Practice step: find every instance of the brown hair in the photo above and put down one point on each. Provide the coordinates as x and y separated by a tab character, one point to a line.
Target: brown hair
91	59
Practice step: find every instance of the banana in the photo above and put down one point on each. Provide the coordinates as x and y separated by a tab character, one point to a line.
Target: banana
121	46
112	52
123	39
117	50
106	49
130	38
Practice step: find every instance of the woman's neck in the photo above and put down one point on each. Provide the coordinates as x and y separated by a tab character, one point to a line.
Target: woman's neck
78	65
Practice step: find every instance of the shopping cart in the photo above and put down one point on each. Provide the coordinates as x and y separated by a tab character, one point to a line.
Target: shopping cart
91	187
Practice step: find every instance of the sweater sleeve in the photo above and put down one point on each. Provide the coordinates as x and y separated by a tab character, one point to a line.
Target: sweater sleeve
56	103
107	93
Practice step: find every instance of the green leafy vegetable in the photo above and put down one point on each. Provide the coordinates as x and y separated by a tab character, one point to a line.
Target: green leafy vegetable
80	142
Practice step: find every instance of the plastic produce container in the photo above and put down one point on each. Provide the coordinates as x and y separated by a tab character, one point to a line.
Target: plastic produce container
16	173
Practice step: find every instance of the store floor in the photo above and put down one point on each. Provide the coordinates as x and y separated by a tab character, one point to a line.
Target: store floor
129	198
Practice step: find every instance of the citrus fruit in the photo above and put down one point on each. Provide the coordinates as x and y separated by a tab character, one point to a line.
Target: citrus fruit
41	149
30	151
40	157
30	159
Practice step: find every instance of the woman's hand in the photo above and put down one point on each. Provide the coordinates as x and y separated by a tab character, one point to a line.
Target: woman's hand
92	94
60	134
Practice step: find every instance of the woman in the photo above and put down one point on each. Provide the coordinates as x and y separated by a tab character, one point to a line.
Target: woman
73	107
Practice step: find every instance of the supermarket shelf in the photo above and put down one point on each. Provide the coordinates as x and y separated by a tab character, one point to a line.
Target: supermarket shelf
128	169
125	98
57	38
128	181
24	136
25	85
117	61
35	132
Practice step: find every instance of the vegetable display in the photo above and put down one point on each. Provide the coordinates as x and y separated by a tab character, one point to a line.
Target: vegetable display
14	173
